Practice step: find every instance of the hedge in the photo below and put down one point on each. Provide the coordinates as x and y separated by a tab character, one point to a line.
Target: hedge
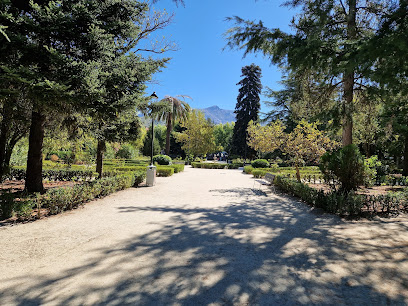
57	200
345	204
164	171
259	172
159	169
215	165
54	175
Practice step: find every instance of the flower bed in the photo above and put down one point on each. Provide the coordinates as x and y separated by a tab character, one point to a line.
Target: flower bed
351	204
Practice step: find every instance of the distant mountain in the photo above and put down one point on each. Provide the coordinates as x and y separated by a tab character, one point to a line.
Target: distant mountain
218	115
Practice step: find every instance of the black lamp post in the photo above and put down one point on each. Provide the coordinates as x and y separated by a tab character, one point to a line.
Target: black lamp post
153	95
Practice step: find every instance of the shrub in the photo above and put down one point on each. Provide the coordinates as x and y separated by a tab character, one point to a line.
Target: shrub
178	168
234	165
333	202
260	163
196	165
6	205
259	173
126	151
370	170
24	209
55	175
345	203
140	176
162	159
213	166
344	167
60	199
274	167
248	169
164	171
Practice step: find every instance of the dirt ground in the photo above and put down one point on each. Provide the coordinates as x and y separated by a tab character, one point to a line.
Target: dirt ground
375	190
15	186
203	237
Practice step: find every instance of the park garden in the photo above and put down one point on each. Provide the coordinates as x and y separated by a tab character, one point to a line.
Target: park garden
77	123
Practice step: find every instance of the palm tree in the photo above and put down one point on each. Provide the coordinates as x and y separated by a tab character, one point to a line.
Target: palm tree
178	110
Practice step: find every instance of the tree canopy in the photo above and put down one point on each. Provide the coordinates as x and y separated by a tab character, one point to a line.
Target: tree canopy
247	108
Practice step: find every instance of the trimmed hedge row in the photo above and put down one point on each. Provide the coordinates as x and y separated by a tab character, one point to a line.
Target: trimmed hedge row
164	171
54	175
60	199
215	165
345	204
160	170
57	200
306	176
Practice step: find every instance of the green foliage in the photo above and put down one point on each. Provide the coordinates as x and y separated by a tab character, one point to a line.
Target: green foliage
57	200
248	169
260	163
259	172
162	159
140	176
274	167
246	109
344	168
198	137
126	151
215	165
178	167
23	209
370	170
223	135
349	204
147	145
80	61
178	110
54	175
60	199
164	171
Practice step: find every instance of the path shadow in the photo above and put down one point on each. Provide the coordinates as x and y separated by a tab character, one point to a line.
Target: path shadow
262	251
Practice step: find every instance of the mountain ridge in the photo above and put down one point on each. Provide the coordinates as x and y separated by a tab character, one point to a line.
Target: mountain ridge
218	115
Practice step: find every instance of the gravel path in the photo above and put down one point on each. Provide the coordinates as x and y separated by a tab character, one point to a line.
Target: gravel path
203	237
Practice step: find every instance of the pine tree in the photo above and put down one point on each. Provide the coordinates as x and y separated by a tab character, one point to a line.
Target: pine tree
327	40
246	109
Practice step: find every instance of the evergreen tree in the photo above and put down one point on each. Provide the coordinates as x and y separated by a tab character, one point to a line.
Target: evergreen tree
246	109
327	40
76	56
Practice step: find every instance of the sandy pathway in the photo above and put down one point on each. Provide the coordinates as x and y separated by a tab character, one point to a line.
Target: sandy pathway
203	237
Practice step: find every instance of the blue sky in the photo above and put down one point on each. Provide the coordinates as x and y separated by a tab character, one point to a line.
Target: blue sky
200	68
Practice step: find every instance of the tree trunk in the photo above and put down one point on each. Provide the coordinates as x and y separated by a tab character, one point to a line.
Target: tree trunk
99	157
3	140
9	149
297	173
348	79
168	133
4	133
405	161
33	181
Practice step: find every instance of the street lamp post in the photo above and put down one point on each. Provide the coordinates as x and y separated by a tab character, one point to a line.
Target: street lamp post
151	170
153	95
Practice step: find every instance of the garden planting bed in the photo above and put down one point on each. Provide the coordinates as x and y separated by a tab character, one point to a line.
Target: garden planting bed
18	185
375	190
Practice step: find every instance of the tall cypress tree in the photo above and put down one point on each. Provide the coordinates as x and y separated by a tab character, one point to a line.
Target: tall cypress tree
246	109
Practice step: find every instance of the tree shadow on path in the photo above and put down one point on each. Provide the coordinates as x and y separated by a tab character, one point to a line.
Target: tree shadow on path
257	250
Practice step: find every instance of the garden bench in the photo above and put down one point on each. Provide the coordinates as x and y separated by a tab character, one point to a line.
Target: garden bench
270	178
